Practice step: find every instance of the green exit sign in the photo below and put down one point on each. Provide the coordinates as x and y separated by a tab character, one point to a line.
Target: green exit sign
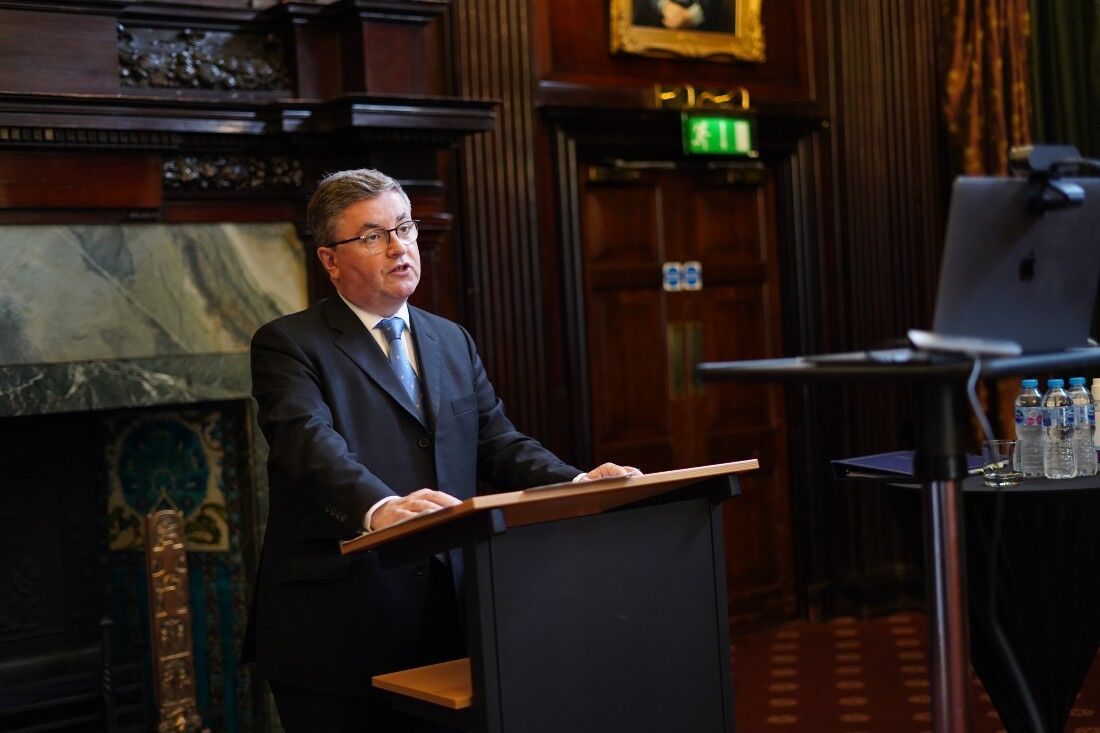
718	135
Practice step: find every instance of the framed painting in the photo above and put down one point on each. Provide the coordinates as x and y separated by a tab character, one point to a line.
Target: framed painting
719	30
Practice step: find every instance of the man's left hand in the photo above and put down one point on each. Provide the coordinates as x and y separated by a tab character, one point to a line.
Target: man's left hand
611	470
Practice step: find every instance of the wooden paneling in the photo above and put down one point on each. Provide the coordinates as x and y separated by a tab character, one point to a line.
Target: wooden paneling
891	186
500	244
67	52
877	272
403	58
574	48
58	180
858	213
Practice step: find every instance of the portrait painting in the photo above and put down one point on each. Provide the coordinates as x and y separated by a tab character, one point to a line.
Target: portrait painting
721	30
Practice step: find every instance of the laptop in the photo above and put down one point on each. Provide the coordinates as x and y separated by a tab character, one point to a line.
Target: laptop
1011	281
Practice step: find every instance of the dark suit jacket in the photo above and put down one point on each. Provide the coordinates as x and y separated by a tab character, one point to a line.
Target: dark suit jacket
343	434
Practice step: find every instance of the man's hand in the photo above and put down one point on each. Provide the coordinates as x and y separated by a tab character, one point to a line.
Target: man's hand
674	15
420	501
610	470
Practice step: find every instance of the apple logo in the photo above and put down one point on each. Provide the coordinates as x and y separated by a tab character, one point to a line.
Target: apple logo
1027	268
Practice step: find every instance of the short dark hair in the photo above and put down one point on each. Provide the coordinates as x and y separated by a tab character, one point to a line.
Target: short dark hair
337	191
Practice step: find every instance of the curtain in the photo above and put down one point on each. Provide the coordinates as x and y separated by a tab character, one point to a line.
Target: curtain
1066	90
987	103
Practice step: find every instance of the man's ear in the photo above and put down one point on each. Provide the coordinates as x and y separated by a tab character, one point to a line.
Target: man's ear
327	255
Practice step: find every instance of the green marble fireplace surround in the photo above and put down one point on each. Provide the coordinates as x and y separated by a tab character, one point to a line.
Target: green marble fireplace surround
135	315
124	378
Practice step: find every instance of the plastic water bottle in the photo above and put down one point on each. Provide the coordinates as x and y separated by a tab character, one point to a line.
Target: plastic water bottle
1084	424
1096	400
1057	432
1029	430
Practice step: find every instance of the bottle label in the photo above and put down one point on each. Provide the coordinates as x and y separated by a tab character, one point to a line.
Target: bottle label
1056	417
1030	417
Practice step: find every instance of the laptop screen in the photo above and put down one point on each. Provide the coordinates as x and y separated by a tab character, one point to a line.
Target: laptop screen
1008	273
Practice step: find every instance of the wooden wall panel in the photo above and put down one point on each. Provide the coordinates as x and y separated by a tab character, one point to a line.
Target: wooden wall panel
403	58
890	180
574	44
878	272
69	52
859	203
501	245
59	180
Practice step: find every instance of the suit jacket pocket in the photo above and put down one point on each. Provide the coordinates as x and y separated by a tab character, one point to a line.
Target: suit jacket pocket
321	527
298	568
464	404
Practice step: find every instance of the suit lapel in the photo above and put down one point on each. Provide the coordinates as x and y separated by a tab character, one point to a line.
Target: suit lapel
430	359
352	338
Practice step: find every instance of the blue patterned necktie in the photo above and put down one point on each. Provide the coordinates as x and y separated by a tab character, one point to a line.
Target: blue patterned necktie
399	360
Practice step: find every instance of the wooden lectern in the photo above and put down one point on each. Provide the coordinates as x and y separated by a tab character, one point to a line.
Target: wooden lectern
595	606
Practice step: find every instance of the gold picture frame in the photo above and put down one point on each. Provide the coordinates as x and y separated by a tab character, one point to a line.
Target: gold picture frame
733	31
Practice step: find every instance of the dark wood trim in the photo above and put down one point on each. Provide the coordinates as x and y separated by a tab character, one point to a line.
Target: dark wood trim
575	336
562	95
447	117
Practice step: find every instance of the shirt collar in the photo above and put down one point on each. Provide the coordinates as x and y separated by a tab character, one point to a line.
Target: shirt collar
370	320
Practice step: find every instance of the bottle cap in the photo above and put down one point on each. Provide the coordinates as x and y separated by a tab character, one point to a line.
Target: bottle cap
1029	383
1051	383
1076	381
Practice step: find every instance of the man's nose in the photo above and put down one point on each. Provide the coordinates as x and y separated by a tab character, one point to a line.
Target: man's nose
396	247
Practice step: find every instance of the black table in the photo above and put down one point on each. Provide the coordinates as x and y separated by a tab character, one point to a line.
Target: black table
940	465
1047	594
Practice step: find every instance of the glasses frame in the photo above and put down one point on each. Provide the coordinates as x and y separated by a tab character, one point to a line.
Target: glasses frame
390	234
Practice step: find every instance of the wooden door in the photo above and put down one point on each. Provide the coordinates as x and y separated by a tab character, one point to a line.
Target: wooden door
643	342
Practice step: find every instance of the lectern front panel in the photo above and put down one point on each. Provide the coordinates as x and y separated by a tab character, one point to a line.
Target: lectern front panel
613	622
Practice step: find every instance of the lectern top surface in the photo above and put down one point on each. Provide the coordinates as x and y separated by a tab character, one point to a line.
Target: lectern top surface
554	501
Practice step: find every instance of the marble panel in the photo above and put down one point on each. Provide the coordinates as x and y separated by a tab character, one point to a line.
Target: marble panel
39	389
85	293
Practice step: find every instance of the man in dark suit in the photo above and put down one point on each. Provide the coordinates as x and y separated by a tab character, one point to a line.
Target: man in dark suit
374	411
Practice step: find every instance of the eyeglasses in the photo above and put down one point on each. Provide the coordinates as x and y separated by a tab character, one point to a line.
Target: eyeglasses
377	241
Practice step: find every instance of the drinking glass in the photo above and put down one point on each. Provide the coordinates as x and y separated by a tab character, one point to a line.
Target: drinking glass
999	463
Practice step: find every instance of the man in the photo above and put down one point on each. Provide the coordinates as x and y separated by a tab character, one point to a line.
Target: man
374	411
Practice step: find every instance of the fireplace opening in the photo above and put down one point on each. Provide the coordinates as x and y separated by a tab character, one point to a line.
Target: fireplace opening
74	647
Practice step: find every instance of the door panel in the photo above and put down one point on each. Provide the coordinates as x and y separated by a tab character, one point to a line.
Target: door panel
616	241
629	375
720	212
625	318
643	344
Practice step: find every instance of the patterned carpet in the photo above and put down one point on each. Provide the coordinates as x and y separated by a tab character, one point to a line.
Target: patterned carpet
849	676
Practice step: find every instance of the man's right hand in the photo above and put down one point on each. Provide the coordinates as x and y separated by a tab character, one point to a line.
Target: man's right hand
420	501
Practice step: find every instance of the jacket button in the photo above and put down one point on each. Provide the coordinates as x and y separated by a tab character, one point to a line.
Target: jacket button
423	442
421	568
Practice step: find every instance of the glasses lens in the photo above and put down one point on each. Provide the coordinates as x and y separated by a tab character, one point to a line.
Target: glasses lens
406	230
378	240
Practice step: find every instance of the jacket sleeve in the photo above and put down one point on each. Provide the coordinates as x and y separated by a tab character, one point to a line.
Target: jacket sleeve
305	448
506	458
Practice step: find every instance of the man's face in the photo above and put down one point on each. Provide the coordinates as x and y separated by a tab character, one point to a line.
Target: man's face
379	283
